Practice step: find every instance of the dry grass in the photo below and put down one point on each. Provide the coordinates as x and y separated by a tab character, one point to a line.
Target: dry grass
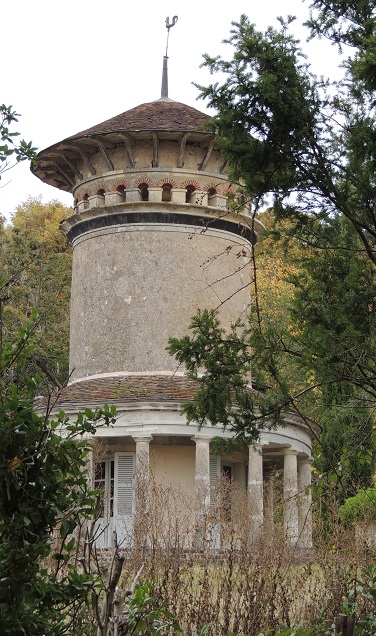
240	587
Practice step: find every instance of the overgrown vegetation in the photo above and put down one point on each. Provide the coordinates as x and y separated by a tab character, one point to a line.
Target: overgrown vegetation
307	145
45	499
361	507
243	589
35	265
311	349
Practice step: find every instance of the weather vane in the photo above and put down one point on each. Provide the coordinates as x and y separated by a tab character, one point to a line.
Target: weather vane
169	26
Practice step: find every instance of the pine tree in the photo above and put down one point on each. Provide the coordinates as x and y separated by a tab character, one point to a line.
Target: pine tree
310	145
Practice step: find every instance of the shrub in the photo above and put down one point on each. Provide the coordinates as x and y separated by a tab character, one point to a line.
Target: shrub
362	507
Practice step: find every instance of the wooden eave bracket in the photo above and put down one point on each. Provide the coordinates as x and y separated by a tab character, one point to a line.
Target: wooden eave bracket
70	163
128	149
64	174
223	167
53	179
85	159
205	160
105	154
154	162
183	143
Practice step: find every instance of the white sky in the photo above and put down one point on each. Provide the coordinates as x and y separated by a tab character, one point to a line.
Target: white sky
69	65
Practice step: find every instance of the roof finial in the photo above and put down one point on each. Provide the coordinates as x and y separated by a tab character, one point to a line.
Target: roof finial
164	89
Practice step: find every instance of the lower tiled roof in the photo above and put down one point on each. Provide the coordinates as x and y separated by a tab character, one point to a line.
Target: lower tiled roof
134	388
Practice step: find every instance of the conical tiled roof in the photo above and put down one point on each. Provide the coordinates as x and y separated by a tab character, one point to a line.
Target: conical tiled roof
161	115
56	165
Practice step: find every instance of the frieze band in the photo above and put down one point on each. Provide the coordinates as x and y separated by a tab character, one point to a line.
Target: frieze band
167	218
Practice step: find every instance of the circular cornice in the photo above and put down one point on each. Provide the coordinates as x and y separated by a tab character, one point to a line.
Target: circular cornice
58	165
149	216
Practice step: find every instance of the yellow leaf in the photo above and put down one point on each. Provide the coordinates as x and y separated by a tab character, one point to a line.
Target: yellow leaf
13	464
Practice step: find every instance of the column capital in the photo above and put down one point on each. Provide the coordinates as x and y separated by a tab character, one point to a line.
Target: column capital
257	447
306	461
290	451
201	438
142	438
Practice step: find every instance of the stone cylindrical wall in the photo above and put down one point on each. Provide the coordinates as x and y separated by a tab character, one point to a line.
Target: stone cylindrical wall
138	282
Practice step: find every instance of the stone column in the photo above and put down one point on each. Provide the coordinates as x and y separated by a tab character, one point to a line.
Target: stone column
290	496
202	484
305	503
82	205
240	475
113	198
132	194
96	201
178	195
255	492
269	502
202	472
98	532
155	194
142	470
199	197
91	465
142	455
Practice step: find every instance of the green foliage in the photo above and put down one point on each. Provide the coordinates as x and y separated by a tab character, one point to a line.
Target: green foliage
8	146
221	364
334	308
145	617
351	24
267	108
361	507
309	144
286	134
333	316
360	601
35	264
44	490
294	631
44	499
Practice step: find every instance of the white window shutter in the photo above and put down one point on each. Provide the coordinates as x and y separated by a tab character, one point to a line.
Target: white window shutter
124	484
214	470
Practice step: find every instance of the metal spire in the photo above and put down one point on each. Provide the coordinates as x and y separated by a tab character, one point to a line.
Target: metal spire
164	88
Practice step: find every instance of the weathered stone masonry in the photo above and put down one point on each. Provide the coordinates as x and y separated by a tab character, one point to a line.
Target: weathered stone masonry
154	240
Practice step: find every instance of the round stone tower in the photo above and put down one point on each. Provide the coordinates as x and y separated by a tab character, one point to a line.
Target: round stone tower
152	237
154	240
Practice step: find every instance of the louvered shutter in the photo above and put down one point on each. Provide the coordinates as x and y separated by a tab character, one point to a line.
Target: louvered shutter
124	484
214	468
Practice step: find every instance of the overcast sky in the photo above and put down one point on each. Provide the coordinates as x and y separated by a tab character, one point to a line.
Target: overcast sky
70	65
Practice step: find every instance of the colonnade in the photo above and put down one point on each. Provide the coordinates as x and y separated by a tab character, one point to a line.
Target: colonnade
155	195
296	487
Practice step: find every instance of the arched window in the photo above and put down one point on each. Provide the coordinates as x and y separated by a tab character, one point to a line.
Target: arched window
166	192
212	192
144	190
85	197
190	191
121	190
101	192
